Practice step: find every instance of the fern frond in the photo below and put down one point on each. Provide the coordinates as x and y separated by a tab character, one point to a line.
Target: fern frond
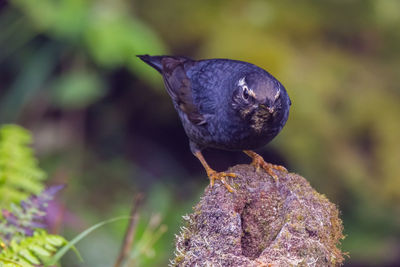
31	251
20	175
22	243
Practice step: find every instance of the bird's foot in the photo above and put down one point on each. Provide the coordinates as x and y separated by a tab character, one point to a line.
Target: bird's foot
259	163
268	167
213	175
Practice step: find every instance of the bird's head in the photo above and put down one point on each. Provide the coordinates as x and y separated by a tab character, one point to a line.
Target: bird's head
259	98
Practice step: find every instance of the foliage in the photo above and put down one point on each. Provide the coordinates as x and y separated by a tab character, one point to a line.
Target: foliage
31	251
21	220
22	241
109	37
20	175
144	246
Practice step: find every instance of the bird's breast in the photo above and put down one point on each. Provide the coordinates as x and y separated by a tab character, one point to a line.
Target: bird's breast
238	134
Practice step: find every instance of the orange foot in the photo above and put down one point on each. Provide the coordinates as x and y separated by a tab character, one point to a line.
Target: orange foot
213	175
258	162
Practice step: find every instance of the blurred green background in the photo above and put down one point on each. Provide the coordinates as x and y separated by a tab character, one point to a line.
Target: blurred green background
104	125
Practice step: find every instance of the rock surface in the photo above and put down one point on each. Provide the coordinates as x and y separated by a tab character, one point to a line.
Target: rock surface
264	223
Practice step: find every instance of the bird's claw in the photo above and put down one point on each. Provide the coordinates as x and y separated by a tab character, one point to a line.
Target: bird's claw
213	175
258	163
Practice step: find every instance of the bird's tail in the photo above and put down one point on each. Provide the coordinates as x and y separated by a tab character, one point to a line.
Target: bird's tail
164	63
154	61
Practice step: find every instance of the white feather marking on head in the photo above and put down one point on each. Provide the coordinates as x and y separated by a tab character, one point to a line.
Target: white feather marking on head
242	81
277	93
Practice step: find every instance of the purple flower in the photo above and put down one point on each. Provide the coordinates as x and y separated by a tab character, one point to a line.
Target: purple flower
28	216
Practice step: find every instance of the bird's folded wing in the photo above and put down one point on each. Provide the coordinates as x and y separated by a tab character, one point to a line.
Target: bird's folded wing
179	87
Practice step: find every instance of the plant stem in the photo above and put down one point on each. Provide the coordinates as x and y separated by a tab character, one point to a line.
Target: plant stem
130	231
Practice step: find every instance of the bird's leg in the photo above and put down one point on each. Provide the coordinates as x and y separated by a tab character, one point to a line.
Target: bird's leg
258	162
213	175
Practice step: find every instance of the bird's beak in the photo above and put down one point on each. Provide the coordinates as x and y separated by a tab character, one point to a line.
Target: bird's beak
270	110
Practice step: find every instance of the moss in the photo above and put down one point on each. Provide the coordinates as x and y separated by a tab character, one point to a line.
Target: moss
263	223
236	186
179	259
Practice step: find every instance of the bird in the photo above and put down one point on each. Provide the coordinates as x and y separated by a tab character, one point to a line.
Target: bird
225	104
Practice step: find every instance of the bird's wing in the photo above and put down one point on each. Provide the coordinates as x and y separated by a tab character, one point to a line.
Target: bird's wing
179	87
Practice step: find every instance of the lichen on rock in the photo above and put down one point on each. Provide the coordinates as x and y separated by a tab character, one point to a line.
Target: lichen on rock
264	223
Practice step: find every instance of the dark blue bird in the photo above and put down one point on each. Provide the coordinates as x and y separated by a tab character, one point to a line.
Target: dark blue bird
225	104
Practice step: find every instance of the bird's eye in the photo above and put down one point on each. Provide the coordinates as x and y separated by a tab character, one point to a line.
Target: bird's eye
245	93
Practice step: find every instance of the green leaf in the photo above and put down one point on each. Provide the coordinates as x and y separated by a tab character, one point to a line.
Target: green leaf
77	90
40	251
27	254
20	174
8	261
32	250
29	81
55	240
79	237
114	39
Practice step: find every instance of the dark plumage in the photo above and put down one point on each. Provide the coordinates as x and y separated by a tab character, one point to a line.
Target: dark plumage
225	104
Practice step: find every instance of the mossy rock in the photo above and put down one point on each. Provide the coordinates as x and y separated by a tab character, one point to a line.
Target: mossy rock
265	222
